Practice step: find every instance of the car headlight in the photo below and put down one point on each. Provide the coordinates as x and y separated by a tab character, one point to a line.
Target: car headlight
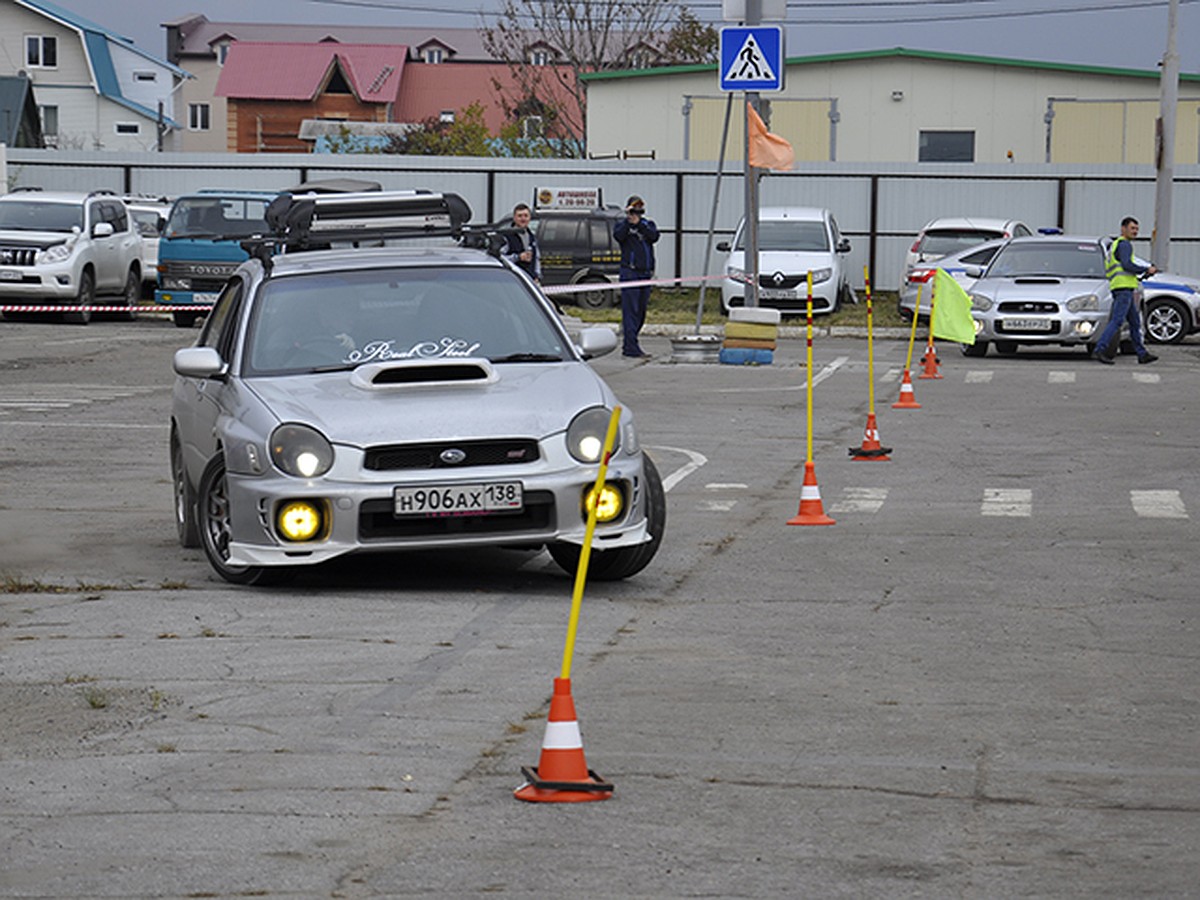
585	436
301	451
735	273
57	253
980	302
820	275
1084	303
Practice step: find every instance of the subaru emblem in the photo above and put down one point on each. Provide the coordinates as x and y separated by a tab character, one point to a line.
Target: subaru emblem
452	456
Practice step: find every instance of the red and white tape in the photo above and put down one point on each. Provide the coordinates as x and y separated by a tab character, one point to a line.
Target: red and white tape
617	285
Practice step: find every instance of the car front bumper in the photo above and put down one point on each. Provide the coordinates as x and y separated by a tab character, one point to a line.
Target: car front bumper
733	294
1057	328
48	283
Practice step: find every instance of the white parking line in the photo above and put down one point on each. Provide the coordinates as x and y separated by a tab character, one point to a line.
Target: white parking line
1158	504
860	499
1007	502
1060	377
696	460
978	376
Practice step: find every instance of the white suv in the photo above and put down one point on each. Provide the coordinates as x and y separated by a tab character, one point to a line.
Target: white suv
65	248
792	241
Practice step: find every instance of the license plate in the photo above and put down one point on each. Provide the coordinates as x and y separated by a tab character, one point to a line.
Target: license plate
206	299
9	275
1027	324
459	499
777	294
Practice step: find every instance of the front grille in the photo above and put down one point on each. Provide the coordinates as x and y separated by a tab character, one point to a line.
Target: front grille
18	256
376	521
785	283
1028	306
509	452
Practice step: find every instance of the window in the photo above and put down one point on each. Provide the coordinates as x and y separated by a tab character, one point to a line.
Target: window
49	121
946	146
222	52
539	57
198	117
532	127
41	51
434	55
145	76
127	128
446	117
639	59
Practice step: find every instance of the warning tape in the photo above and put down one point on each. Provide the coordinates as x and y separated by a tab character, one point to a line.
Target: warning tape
617	285
140	310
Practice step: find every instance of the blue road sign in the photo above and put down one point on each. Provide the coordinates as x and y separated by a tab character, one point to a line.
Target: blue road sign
752	58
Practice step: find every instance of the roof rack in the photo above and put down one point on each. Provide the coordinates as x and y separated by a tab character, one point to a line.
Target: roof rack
312	222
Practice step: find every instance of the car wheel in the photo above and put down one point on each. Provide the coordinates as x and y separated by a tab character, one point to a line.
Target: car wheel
132	294
1166	321
613	565
1006	348
977	349
185	499
599	299
184	319
846	297
85	297
213	519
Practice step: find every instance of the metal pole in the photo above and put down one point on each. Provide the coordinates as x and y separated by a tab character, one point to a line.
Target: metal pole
753	17
712	219
1160	239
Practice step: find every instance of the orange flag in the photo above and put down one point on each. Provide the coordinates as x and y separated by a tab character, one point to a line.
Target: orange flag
767	151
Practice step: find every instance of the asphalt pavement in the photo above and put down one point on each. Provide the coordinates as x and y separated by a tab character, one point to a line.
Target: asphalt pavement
982	681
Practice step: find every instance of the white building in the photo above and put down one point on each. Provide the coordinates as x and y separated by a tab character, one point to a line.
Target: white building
95	90
900	106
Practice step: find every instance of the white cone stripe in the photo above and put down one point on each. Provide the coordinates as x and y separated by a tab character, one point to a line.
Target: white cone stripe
810	492
562	736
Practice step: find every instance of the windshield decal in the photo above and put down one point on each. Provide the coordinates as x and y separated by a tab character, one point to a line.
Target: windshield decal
382	351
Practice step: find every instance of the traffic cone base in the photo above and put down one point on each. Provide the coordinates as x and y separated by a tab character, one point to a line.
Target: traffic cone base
908	399
562	775
812	511
871	449
930	362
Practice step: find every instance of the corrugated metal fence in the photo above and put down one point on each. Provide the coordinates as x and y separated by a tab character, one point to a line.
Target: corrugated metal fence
880	208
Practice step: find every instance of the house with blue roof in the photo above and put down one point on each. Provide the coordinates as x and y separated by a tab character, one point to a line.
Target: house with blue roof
94	89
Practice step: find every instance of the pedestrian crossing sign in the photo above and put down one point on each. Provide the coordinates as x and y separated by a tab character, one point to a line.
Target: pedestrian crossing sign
752	58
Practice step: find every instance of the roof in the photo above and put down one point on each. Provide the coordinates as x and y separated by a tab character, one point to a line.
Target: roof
96	42
19	123
286	71
197	36
899	53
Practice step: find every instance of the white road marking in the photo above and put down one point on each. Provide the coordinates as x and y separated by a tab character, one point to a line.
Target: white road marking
726	486
1060	377
860	499
1146	377
978	376
1158	504
1007	502
716	505
696	460
891	375
825	373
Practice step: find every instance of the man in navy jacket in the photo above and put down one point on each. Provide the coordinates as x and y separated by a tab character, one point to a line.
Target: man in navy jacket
637	235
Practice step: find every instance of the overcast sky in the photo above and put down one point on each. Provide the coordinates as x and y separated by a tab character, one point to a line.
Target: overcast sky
1121	33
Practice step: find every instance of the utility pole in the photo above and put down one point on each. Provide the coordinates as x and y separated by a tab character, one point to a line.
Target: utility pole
750	257
1164	145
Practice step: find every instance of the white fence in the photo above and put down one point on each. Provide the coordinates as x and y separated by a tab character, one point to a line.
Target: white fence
880	208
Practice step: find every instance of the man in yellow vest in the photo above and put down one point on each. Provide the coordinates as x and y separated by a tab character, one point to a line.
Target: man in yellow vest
1123	271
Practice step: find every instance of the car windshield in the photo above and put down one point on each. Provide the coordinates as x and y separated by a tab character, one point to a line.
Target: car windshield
146	221
339	320
943	242
788	234
1058	259
217	217
26	215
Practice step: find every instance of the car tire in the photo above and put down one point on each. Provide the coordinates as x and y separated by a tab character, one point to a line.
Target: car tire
1166	321
212	518
1006	348
185	499
132	294
846	297
85	297
599	299
184	319
613	565
976	350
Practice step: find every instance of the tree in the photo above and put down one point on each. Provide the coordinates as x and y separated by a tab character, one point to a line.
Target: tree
467	135
691	41
548	44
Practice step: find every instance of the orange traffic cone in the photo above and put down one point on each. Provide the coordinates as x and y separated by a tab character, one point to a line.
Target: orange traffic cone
908	400
930	363
562	774
871	448
812	511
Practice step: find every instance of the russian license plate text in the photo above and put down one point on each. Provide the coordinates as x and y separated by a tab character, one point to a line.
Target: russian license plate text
1027	324
459	499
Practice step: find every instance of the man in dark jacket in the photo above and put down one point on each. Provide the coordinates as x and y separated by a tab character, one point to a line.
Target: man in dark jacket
637	235
522	247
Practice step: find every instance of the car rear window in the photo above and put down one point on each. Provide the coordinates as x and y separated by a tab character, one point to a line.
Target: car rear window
944	241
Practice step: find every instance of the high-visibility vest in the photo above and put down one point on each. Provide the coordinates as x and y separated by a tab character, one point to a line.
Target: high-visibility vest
1118	278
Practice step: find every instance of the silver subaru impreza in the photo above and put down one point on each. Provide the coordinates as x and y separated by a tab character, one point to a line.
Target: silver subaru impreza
388	398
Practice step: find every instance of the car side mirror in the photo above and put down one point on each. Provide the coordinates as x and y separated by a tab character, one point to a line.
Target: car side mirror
723	246
102	229
595	342
160	225
843	246
973	271
201	362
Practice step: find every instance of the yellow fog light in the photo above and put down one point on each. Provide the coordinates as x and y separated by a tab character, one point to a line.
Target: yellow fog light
610	506
300	520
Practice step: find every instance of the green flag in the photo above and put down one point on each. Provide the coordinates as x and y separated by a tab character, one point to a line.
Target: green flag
951	310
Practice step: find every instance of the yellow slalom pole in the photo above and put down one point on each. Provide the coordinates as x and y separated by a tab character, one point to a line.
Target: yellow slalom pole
585	554
912	337
870	346
809	367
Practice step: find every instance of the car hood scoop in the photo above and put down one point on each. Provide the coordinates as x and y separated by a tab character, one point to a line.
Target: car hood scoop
421	373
